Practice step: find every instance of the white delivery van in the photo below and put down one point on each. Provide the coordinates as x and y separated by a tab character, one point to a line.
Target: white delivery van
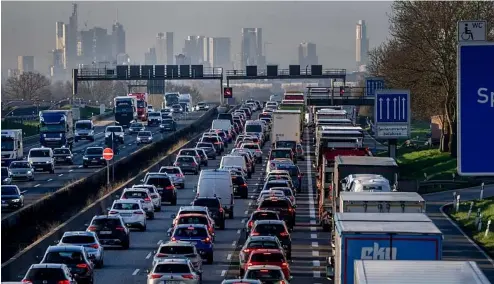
233	161
221	124
217	183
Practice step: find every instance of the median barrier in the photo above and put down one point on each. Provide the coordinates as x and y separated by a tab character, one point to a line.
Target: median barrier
24	226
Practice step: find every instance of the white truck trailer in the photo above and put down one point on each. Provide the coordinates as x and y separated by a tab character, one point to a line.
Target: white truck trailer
286	125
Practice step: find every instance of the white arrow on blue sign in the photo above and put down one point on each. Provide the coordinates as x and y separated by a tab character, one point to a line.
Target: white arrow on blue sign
373	84
476	109
392	107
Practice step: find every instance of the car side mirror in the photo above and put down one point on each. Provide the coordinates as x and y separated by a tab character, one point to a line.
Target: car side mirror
148	271
169	234
56	241
108	209
142	180
86	225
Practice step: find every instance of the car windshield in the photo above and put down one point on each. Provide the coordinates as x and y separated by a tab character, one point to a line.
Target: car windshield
78	240
267	257
172	268
39	154
65	257
203	145
286	144
278	177
253	128
193	220
20	165
135	194
159	182
185	159
167	122
292	170
264	274
46	274
207	202
265	216
269	228
251	146
154	114
278	183
126	206
238	180
176	250
173	171
136	125
275	203
83	125
191	232
277	154
9	190
113	129
209	139
144	134
61	151
94	151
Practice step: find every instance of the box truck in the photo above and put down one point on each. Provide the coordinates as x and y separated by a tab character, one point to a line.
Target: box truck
286	125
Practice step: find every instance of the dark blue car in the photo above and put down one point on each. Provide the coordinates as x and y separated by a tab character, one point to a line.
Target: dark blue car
295	174
198	235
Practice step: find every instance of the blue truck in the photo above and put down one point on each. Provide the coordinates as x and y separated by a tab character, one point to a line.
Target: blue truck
56	128
377	236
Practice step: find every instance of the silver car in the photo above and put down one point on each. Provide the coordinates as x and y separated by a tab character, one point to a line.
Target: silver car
90	242
145	137
175	174
136	127
21	170
155	196
208	148
173	249
178	270
188	164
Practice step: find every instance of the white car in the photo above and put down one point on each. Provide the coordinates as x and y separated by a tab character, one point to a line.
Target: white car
144	137
117	130
178	249
154	118
140	194
277	173
270	193
175	174
155	196
131	212
255	149
174	270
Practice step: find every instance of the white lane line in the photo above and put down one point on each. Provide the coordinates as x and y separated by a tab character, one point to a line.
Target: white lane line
148	256
316	274
229	256
243	221
50	179
313	229
246	212
250	203
234	243
316	263
310	190
60	175
135	272
238	232
37	185
315	253
159	242
71	171
223	273
313	222
313	236
80	166
315	244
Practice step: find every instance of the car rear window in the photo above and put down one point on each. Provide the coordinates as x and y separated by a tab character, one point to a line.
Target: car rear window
170	171
262	244
135	194
126	206
291	169
193	220
238	180
186	159
269	228
203	145
265	216
48	274
61	151
191	232
270	185
264	274
285	144
187	153
78	240
159	182
275	203
94	151
110	222
207	202
176	250
251	146
172	268
267	257
277	154
65	257
209	139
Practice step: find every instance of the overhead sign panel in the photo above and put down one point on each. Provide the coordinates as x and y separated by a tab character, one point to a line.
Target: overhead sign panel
372	84
469	31
475	109
392	114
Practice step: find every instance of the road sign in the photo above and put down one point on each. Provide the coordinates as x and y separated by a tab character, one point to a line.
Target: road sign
108	154
472	31
475	109
372	84
392	114
227	92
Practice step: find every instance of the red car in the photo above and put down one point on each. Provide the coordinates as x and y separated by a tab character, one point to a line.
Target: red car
274	257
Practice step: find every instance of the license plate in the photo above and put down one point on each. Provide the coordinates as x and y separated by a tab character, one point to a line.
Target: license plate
170	282
125	214
185	164
39	169
105	232
4	205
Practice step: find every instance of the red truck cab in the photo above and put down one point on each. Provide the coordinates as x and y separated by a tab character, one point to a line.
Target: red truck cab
142	105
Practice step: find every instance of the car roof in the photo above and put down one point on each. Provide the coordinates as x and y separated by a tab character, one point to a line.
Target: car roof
206	197
136	189
128	201
180	156
157	174
94	148
262	222
284	181
193	208
270	267
192	215
78	233
191	225
176	244
64	248
48	265
281	149
177	260
241	281
266	250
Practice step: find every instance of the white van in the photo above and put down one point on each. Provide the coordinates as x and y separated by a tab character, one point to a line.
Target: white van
221	124
233	161
41	159
217	183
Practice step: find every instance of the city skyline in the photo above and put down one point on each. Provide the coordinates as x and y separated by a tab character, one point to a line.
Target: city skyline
331	51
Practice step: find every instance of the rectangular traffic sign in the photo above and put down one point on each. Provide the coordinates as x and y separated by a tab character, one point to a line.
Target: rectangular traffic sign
372	84
472	31
392	114
475	109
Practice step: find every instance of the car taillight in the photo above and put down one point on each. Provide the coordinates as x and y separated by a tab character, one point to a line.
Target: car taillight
206	240
120	228
284	264
290	209
26	281
176	164
155	276
254	234
147	199
174	239
170	187
216	143
246	250
92	228
138	212
194	164
284	234
244	185
160	255
61	282
249	264
188	276
82	265
221	210
250	224
95	246
180	175
258	151
282	282
113	212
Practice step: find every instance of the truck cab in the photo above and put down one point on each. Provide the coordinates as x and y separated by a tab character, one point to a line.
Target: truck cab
125	110
56	128
84	129
141	105
12	148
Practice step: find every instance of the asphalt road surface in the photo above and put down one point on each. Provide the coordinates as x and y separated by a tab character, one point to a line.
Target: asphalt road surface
46	183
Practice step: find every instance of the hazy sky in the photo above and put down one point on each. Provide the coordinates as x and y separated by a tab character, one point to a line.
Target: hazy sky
28	28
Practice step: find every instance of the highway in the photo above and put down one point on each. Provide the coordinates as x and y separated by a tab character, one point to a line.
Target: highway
46	183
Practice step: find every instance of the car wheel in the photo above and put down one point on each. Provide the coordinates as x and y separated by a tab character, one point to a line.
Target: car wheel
230	214
222	225
126	244
249	175
196	173
85	166
174	201
182	186
151	217
209	259
241	272
157	208
100	264
206	164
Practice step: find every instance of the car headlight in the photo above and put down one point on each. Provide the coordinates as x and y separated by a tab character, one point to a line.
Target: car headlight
101	158
29	172
16	200
84	158
138	138
68	157
48	162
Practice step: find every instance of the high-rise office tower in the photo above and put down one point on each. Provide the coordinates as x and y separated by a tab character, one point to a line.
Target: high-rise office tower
117	39
25	64
362	44
150	57
70	40
169	48
251	48
220	52
307	54
194	49
160	48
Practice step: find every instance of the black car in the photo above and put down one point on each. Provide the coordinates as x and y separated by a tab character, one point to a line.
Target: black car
6	176
76	259
274	228
283	206
214	206
240	187
12	197
93	156
111	231
209	148
259	215
50	273
63	156
136	127
165	186
168	124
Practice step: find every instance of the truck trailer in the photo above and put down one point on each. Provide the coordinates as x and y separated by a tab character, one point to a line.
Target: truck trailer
12	146
381	202
286	125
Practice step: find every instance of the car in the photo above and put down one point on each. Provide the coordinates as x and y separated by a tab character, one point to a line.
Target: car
84	130
269	193
153	191
93	156
209	149
150	108
276	173
55	272
268	256
274	164
174	270
259	215
136	127
63	156
256	149
90	242
191	152
216	141
194	218
76	259
281	182
300	152
266	273
292	144
154	118
7	176
289	193
187	164
202	106
176	108
164	184
12	197
168	124
144	137
204	156
193	210
131	211
240	187
283	153
41	159
175	173
198	235
241	281
178	249
295	174
275	228
111	230
117	131
21	170
214	207
166	112
284	207
140	194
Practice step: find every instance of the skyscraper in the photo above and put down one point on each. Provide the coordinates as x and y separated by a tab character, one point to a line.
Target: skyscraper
160	48
117	39
195	49
150	56
307	54
70	40
251	48
362	44
169	48
25	64
59	40
220	52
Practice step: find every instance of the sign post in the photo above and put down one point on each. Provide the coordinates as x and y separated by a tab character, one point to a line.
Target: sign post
392	117
470	31
372	84
475	108
108	156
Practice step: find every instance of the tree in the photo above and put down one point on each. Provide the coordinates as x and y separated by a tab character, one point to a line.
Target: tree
421	55
29	86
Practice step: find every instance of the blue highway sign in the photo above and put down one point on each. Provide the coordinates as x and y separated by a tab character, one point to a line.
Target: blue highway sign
476	109
373	84
392	107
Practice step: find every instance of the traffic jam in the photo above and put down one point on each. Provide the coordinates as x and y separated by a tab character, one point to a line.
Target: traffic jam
242	141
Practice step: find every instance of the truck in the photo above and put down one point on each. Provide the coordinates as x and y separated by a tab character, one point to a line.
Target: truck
12	146
418	272
125	110
56	128
286	125
392	236
171	99
185	101
142	100
381	202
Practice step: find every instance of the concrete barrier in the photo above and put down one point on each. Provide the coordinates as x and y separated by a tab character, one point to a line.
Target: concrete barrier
21	228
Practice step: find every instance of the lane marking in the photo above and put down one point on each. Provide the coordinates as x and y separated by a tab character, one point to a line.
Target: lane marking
313	236
316	263
135	272
159	242
315	253
71	171
315	244
243	221
313	222
229	256
50	179
317	274
37	185
238	232
223	273
148	256
80	166
60	175
313	229
234	243
246	212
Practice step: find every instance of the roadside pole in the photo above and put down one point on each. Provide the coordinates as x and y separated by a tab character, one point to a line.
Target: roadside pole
108	155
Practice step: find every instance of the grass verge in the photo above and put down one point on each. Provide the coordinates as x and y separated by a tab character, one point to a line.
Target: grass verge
432	162
468	225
